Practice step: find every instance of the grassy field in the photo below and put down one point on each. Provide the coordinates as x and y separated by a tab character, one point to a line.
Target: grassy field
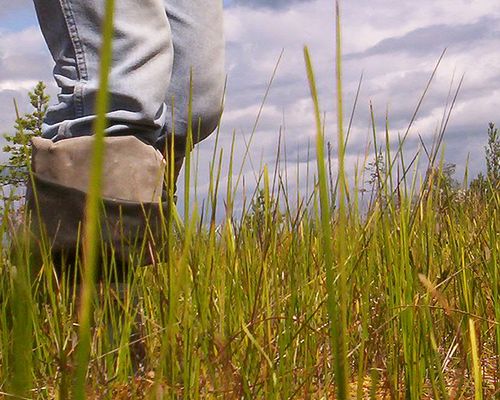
340	293
241	310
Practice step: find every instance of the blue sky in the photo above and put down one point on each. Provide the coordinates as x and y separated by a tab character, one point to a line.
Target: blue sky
395	44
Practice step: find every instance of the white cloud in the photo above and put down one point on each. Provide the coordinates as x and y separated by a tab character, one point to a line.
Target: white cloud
17	84
402	41
11	7
367	22
394	43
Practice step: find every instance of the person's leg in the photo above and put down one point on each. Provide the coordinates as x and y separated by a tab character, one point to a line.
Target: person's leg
140	74
198	40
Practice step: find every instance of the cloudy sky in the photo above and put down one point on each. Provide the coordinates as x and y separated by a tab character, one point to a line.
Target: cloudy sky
395	44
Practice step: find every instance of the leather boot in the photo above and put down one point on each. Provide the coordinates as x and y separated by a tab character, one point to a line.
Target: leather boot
131	219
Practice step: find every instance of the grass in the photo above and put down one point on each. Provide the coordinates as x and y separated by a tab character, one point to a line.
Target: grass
300	296
241	310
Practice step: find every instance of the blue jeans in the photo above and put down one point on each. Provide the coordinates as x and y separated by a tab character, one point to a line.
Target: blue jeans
156	45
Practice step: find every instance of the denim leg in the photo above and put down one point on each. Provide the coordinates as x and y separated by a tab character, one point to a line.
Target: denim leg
198	40
140	73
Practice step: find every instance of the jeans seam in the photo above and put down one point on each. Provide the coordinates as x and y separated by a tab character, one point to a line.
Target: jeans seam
81	64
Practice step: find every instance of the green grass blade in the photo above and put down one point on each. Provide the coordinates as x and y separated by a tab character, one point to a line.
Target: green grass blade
334	307
22	319
92	210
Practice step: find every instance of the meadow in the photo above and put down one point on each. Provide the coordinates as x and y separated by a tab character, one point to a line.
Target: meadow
390	291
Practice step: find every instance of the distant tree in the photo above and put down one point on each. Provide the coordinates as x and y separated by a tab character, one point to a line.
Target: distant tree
376	170
14	174
479	185
482	185
446	178
442	186
264	215
258	210
493	156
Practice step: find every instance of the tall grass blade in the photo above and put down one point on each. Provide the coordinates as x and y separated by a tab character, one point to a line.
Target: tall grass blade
22	320
92	210
476	362
336	319
342	361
